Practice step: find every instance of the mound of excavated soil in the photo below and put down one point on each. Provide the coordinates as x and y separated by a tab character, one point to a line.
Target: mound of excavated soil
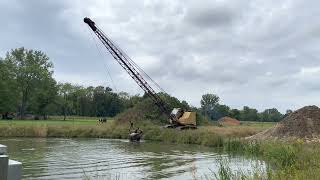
303	123
228	121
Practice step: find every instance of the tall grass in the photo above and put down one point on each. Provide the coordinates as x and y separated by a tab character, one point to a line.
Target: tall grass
279	154
200	136
287	160
224	172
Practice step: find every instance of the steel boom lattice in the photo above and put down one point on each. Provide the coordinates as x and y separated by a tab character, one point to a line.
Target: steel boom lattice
122	59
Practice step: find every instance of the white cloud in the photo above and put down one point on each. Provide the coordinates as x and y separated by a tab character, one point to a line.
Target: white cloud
307	71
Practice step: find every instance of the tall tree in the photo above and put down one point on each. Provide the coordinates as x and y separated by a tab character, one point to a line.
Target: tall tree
65	90
44	95
235	113
221	111
209	102
249	114
271	115
125	102
8	92
29	68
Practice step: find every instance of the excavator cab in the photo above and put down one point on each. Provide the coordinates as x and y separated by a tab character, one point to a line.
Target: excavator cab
182	119
175	114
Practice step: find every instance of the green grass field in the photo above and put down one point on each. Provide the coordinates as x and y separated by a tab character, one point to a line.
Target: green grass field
56	120
79	120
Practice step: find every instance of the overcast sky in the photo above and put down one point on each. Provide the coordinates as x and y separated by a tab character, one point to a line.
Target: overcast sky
258	53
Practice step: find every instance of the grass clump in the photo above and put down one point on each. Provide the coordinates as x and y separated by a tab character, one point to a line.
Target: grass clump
281	155
286	160
224	172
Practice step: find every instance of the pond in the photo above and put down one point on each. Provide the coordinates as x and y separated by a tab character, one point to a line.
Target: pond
56	158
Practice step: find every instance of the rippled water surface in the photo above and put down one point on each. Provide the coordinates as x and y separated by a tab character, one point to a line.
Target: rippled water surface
117	159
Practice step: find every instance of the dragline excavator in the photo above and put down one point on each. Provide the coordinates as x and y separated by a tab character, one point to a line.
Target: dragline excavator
178	117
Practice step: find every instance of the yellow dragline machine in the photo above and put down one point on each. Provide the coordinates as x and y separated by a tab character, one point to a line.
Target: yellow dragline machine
178	117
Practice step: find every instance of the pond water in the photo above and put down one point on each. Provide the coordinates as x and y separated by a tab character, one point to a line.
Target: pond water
55	158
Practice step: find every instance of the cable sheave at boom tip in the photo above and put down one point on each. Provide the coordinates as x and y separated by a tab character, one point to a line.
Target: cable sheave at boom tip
90	23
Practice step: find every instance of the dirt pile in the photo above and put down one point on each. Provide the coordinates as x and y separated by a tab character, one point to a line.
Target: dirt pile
303	123
228	121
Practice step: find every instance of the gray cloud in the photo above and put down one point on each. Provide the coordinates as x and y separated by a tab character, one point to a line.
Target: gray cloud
209	15
258	53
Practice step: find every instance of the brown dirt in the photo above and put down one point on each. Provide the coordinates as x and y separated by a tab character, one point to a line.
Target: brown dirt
228	121
303	123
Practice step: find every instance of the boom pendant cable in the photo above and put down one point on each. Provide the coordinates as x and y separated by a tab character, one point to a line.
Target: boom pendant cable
109	74
135	65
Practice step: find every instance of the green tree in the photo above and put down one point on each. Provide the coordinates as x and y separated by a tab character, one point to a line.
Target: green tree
45	94
29	68
65	91
85	101
100	101
209	103
235	113
173	102
271	115
124	98
222	111
249	114
8	92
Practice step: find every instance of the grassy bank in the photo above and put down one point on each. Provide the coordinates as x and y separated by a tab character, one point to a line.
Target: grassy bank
287	160
206	135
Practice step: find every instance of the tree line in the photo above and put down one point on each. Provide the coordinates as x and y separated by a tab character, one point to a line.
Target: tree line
28	89
211	108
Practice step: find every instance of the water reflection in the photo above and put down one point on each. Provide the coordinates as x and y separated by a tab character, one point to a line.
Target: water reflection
116	159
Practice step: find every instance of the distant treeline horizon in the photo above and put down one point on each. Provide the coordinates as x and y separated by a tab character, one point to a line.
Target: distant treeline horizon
27	87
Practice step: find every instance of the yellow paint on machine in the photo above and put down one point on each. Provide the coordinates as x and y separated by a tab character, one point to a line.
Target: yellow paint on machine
188	118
